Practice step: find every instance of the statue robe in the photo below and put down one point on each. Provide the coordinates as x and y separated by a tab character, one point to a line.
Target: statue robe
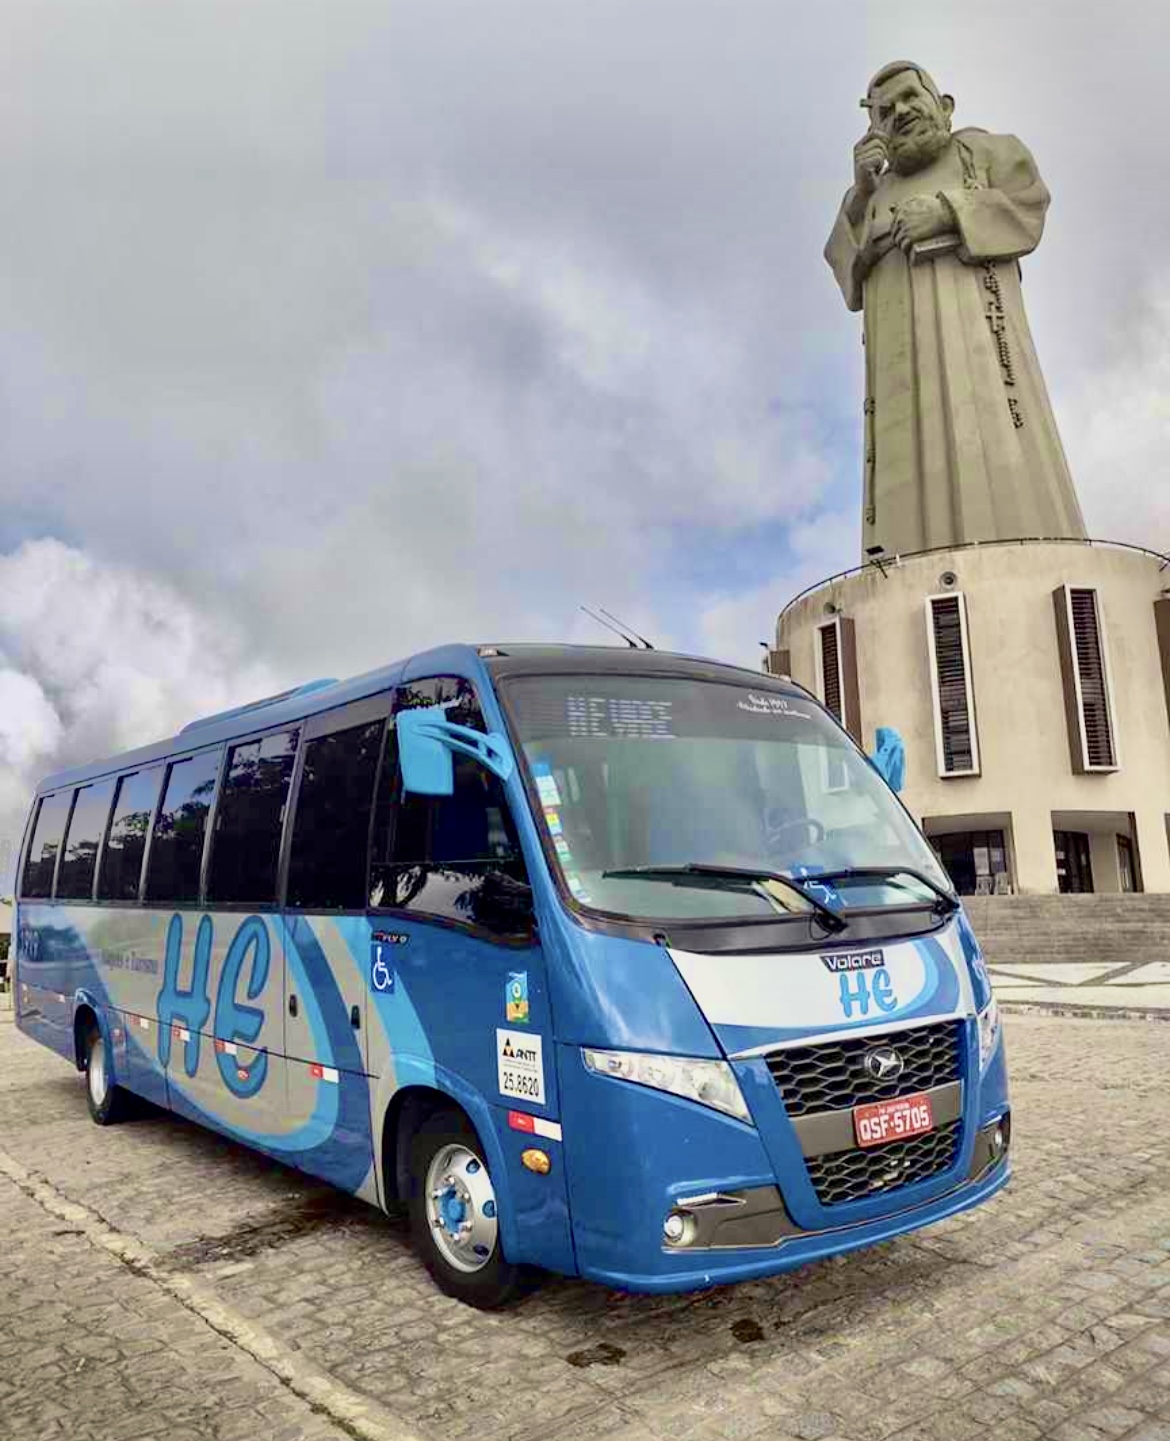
960	440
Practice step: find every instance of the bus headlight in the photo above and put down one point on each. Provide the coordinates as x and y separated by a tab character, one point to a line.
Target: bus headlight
710	1083
988	1032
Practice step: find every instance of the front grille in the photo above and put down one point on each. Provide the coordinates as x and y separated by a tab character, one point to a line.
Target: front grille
852	1175
831	1077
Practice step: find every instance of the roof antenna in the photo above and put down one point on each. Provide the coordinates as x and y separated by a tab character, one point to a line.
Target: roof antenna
594	616
627	628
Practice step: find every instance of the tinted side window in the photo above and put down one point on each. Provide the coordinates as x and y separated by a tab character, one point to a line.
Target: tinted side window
454	856
48	829
327	865
87	825
121	867
176	848
246	847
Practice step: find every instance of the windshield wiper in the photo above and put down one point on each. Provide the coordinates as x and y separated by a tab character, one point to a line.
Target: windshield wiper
832	920
945	903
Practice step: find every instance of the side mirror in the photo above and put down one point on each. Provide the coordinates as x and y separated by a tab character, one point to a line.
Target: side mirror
426	740
889	757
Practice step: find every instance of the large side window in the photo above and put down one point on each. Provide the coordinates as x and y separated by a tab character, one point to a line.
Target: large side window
121	864
87	825
176	848
457	856
331	833
48	829
246	845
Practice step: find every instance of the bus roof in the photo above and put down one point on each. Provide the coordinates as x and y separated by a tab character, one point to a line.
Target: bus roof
499	660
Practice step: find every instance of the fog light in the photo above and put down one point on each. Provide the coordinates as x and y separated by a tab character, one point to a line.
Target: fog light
997	1142
537	1161
680	1229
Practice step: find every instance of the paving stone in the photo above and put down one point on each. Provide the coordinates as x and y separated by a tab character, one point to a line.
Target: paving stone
1044	1314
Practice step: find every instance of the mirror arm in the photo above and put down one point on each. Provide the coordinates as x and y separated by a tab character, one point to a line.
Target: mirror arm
488	749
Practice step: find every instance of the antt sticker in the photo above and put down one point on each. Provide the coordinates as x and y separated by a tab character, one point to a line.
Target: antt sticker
520	1065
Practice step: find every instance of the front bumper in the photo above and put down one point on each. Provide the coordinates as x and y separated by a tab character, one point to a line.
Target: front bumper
634	1156
723	1266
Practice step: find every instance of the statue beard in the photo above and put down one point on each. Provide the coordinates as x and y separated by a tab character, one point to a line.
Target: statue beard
923	144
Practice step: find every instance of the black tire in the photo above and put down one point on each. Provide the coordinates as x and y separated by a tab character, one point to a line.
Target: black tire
495	1281
108	1103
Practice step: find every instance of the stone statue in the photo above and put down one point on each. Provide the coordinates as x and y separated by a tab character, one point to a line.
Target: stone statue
960	440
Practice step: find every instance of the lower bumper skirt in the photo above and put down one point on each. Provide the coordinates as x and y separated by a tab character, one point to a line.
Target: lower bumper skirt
733	1240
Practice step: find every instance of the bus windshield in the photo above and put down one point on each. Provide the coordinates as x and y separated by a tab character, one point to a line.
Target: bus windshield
640	779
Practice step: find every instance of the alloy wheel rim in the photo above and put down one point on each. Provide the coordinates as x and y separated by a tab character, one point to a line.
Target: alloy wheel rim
96	1072
461	1208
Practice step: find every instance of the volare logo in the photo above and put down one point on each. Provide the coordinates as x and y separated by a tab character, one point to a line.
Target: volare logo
854	961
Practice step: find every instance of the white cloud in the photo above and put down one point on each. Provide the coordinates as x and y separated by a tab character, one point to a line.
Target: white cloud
95	659
732	626
434	320
1116	425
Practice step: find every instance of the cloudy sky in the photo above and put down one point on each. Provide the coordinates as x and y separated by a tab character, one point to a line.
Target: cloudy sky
332	329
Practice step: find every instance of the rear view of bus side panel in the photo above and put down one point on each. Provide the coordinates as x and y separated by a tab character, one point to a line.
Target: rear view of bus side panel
43	993
78	956
44	1001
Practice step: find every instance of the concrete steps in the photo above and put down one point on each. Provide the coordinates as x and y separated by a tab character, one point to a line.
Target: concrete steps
1106	928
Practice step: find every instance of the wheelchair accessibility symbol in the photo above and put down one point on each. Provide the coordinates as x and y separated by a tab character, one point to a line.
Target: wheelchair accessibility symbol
381	972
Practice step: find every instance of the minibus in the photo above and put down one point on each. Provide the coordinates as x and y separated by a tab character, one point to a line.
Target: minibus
600	961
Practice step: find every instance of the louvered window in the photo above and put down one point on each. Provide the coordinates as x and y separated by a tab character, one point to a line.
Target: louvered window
1091	673
1086	676
837	673
831	669
956	740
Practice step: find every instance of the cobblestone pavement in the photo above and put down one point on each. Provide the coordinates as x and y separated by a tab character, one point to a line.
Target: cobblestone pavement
213	1294
1101	986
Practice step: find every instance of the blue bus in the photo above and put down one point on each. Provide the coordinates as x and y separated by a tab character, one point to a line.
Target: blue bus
613	963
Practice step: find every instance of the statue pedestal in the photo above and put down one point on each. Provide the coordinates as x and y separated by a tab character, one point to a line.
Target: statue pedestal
1029	682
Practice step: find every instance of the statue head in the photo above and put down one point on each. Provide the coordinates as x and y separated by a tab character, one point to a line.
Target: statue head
905	107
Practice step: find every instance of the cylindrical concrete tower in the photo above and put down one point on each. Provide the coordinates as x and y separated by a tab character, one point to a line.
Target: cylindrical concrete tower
1030	682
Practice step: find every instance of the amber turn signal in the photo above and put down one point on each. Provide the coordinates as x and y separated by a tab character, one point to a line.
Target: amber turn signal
537	1161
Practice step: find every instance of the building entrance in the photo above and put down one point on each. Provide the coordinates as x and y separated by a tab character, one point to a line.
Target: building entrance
974	860
1074	869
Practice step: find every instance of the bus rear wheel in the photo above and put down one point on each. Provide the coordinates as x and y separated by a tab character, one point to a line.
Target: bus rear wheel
453	1214
108	1103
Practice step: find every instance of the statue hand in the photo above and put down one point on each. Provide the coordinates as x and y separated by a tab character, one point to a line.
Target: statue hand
869	160
919	218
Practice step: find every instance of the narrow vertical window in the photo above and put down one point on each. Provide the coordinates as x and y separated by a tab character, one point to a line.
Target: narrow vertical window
956	739
837	673
176	848
1085	670
246	844
87	827
40	865
121	863
330	840
831	688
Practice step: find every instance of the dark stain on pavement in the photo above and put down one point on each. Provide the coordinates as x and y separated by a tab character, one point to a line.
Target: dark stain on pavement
603	1354
288	1223
747	1331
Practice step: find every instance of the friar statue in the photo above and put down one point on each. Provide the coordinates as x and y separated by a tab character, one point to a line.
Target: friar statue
960	440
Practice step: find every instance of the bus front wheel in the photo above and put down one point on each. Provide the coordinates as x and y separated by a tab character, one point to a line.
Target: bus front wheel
107	1102
453	1214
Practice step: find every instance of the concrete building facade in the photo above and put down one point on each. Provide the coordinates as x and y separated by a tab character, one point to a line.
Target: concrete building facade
1029	681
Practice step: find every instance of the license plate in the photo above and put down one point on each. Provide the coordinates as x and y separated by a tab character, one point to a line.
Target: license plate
883	1121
